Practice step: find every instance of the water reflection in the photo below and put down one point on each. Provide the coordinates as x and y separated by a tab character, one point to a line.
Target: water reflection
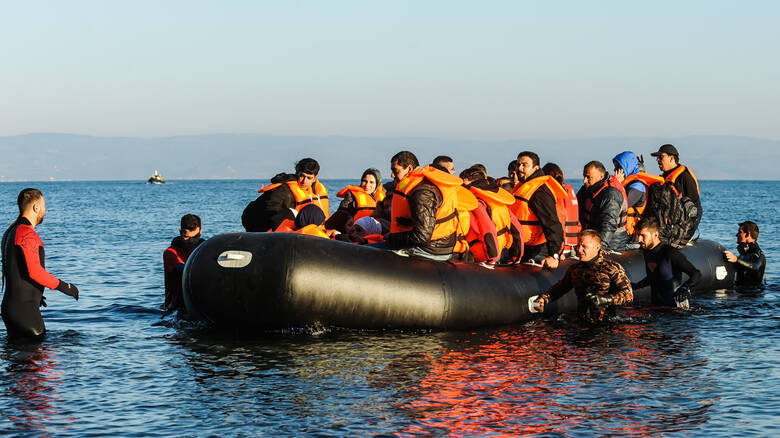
31	377
549	377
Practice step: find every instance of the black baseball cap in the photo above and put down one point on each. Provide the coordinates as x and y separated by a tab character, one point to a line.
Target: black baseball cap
666	149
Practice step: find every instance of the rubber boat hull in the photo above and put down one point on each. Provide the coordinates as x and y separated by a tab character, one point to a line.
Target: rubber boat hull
283	280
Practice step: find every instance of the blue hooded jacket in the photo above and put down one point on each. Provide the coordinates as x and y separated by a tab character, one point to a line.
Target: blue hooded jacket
630	164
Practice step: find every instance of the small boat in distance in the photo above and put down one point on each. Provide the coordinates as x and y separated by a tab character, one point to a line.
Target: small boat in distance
156	179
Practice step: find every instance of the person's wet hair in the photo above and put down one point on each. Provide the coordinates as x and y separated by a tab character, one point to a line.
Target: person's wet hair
405	159
750	227
307	165
647	223
190	222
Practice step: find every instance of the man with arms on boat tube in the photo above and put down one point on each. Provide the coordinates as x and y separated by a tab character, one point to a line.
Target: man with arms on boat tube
423	212
599	282
285	197
751	262
175	257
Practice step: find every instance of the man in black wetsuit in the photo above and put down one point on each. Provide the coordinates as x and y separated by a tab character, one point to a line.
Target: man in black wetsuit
24	272
751	263
664	265
175	257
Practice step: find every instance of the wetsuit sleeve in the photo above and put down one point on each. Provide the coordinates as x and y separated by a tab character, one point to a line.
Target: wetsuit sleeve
681	264
753	261
542	204
642	283
423	205
30	245
620	286
560	288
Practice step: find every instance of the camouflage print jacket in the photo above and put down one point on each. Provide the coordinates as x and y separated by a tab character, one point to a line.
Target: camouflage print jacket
602	276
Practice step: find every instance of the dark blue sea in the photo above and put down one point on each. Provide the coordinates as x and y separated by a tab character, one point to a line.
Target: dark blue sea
111	365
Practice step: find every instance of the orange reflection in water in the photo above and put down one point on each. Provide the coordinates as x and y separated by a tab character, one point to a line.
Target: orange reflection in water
521	382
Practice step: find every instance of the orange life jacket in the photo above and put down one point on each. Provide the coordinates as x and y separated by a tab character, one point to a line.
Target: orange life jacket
531	226
466	202
287	226
613	182
672	177
313	230
379	193
446	216
366	204
498	208
374	238
570	219
319	196
635	212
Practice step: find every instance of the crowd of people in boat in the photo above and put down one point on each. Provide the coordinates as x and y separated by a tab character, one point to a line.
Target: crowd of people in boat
528	216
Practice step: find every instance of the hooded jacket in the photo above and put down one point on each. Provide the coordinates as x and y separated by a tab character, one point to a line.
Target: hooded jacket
635	192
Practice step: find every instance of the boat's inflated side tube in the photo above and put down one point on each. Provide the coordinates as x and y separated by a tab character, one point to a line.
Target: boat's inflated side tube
280	280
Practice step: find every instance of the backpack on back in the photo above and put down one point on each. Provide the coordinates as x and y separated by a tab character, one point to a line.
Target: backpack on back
676	215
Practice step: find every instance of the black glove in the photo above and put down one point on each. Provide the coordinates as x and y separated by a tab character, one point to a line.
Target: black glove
68	289
43	301
635	286
599	301
682	293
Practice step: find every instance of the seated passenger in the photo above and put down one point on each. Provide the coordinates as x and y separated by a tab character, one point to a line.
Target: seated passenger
308	221
175	257
359	201
751	263
424	212
446	163
477	239
286	191
405	162
536	207
496	201
636	184
363	231
568	210
603	206
664	266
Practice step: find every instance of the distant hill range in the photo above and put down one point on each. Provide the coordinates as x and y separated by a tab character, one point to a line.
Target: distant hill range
40	157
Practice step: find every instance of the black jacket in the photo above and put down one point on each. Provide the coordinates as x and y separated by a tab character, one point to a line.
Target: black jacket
424	201
542	204
271	208
606	215
750	265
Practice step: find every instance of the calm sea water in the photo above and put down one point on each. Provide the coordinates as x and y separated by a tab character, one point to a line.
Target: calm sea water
110	365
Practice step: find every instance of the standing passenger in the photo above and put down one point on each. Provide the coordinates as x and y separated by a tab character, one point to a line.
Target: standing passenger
680	176
24	270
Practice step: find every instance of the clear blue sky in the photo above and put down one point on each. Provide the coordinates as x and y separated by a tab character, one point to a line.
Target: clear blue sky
477	69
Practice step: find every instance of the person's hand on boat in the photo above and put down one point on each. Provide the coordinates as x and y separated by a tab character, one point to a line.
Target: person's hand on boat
730	257
682	293
550	262
540	302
